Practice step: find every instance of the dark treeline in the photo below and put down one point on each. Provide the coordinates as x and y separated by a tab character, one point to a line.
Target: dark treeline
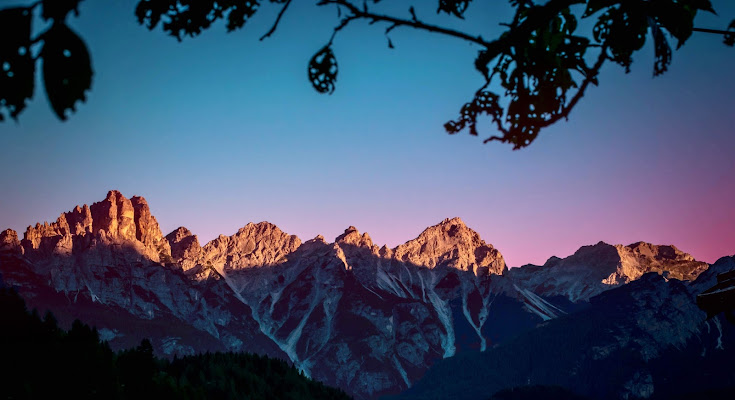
41	360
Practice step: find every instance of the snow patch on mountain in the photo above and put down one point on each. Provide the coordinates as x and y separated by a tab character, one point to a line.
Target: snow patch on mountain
539	306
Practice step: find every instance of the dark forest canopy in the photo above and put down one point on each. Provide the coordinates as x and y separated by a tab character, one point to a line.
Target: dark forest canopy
535	72
43	361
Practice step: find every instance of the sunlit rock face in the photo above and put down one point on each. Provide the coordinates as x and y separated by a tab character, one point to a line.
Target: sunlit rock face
369	319
114	221
106	264
147	230
451	243
365	318
185	248
594	269
254	245
9	241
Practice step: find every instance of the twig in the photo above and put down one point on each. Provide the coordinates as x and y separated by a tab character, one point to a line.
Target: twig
591	75
540	16
361	14
278	19
715	31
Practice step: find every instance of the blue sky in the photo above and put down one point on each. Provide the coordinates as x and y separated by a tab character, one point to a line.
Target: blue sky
224	129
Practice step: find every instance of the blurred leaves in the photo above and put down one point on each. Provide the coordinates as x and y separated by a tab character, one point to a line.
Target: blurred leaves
624	25
191	17
456	7
540	61
662	50
67	71
536	72
67	68
17	67
323	70
538	68
57	10
485	102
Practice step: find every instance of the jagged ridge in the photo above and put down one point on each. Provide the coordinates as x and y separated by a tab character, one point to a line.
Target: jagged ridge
366	318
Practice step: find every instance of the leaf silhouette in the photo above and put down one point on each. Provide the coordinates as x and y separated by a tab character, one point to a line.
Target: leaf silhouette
58	9
456	7
67	69
323	70
17	67
191	17
662	51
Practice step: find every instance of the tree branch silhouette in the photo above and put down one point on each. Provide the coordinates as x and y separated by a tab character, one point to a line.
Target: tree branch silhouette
278	19
535	72
396	22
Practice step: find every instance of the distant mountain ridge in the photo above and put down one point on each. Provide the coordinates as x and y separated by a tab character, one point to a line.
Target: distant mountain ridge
594	269
368	319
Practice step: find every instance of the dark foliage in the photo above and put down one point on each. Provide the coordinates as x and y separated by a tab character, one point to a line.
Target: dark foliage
18	67
541	65
67	68
45	361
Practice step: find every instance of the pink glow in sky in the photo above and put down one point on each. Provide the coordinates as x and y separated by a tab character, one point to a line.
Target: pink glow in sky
223	130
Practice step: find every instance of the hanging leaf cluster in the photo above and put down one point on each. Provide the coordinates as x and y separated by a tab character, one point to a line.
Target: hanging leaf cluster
541	63
323	70
484	103
191	17
535	72
67	69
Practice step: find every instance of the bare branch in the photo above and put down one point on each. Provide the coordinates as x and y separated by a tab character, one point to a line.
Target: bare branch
715	31
357	13
278	19
540	16
589	78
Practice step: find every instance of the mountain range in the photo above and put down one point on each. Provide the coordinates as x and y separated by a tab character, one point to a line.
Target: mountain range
438	316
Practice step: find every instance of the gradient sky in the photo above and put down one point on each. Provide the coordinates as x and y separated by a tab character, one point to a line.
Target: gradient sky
221	130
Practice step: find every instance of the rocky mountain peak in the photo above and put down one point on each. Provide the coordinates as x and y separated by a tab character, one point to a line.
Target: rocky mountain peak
595	268
451	243
457	221
253	245
116	219
639	258
178	234
185	247
352	236
660	252
9	241
147	230
115	216
553	260
596	255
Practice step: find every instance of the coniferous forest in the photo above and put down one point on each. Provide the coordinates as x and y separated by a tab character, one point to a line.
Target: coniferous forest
42	360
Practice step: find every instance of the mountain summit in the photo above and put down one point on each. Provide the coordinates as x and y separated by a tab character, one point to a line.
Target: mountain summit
452	244
368	319
596	268
115	220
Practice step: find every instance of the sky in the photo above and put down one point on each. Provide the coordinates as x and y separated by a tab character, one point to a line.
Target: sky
223	129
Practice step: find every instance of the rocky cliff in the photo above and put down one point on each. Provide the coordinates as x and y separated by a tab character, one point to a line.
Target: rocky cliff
594	269
115	220
369	319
